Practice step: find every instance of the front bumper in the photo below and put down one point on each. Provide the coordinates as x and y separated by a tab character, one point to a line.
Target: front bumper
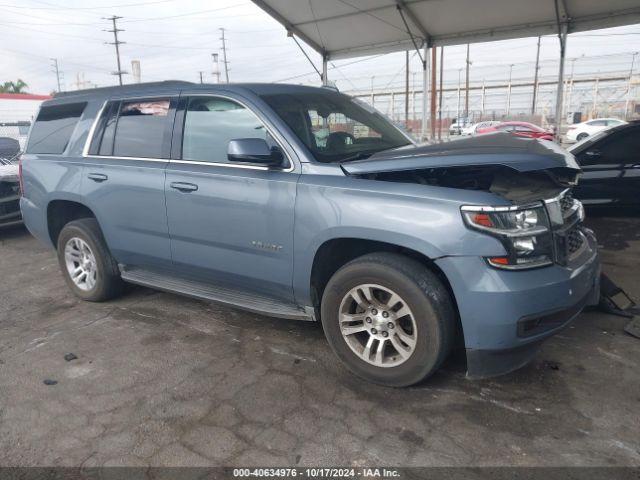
505	315
10	210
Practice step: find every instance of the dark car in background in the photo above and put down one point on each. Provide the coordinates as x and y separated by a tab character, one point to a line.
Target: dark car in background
519	129
9	183
610	162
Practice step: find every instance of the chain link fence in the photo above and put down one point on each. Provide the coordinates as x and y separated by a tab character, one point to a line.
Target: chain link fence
17	131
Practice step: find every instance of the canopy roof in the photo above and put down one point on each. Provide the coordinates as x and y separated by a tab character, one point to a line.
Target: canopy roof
349	28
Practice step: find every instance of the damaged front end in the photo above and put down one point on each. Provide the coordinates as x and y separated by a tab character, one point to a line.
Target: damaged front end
541	223
505	315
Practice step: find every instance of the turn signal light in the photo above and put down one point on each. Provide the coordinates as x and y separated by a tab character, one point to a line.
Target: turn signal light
482	219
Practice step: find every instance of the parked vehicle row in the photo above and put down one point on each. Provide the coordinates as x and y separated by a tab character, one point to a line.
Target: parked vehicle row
519	129
580	131
230	193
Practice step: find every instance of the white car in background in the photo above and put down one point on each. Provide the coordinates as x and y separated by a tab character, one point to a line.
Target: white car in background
580	131
472	129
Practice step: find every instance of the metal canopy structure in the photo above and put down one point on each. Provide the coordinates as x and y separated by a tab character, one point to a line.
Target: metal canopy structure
339	29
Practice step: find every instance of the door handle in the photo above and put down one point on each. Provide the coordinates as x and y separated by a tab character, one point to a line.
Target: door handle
98	177
184	187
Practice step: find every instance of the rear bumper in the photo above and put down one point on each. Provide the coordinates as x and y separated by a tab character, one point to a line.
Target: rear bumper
35	220
505	315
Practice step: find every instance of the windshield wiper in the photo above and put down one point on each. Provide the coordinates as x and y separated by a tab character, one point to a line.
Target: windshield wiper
357	156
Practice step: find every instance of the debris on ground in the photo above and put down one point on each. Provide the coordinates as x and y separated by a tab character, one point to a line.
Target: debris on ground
633	327
615	300
50	382
70	356
552	365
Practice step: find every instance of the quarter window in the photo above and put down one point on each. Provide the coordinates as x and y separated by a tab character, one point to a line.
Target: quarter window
53	128
211	122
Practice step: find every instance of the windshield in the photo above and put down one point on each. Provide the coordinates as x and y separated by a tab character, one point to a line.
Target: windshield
335	127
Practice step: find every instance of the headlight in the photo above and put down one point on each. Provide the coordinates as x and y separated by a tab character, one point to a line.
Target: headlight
524	232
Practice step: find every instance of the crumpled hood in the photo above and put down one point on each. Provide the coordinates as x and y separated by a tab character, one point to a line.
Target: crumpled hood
520	154
9	173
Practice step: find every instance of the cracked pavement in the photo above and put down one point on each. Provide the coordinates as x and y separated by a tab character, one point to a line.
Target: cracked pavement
163	380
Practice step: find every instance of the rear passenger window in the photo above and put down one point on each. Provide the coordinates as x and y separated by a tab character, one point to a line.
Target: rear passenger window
52	129
140	127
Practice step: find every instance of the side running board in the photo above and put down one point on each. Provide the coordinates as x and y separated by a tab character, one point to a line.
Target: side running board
203	291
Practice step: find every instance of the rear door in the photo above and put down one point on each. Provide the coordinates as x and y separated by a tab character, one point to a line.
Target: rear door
611	169
230	224
125	171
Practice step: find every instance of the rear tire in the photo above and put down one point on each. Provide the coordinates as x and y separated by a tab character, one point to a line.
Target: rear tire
87	266
401	305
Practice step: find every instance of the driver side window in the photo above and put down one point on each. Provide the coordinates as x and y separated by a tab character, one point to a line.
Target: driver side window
623	147
212	122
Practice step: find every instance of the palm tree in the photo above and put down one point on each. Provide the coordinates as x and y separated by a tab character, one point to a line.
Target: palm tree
13	87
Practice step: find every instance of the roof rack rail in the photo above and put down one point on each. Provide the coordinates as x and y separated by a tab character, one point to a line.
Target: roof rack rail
129	87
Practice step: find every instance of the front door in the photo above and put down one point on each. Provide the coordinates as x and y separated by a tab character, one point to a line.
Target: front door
611	169
230	224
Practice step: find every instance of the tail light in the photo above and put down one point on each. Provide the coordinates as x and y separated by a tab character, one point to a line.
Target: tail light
20	180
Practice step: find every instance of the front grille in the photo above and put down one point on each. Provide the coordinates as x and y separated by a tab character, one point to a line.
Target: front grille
566	202
575	240
9	202
567	234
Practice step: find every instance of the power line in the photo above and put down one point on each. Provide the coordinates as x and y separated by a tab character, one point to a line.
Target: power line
189	14
62	7
117	44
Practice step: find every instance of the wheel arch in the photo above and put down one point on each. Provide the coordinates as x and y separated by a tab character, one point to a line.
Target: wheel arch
333	253
62	211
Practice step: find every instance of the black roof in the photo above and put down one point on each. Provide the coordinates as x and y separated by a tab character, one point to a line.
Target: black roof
141	88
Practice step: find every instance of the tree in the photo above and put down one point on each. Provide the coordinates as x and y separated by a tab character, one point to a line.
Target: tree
13	87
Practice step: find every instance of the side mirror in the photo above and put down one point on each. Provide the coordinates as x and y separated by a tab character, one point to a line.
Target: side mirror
254	150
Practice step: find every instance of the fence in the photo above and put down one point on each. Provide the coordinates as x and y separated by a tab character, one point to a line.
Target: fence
16	130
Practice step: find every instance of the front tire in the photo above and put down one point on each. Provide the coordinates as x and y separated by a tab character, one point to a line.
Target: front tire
90	271
582	136
388	318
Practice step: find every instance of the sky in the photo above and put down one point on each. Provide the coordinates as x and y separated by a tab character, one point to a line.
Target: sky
174	39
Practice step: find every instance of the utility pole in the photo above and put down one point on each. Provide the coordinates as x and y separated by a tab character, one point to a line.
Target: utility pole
440	96
373	98
509	91
535	80
466	100
406	90
626	103
434	57
117	44
458	104
224	56
57	71
216	67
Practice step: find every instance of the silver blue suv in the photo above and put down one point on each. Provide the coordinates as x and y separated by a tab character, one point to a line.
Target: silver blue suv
304	203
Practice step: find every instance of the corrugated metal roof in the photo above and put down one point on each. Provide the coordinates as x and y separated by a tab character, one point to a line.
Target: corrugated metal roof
348	28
